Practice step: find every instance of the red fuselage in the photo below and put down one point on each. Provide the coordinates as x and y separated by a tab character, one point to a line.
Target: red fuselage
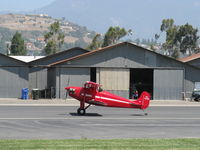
103	98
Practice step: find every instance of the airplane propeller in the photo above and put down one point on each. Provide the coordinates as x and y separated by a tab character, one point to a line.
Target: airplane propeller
66	94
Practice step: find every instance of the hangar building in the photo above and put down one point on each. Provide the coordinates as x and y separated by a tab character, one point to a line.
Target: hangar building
120	68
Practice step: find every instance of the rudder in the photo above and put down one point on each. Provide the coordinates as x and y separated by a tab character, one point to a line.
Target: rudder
145	99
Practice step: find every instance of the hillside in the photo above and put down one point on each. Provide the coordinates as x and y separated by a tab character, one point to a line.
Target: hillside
144	17
33	27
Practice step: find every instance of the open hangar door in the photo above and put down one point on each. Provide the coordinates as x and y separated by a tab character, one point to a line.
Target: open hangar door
141	80
168	84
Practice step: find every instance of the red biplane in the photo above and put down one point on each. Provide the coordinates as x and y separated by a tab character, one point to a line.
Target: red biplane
93	94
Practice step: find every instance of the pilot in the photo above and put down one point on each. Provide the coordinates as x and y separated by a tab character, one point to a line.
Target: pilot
100	89
135	94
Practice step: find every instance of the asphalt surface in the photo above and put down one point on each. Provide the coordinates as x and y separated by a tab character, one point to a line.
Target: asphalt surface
62	122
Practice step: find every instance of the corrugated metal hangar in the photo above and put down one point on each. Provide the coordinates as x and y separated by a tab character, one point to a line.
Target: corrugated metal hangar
38	72
13	77
120	68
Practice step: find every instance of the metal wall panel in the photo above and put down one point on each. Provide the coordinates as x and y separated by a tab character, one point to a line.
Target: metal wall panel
195	63
38	78
72	77
168	84
150	59
12	80
42	79
115	80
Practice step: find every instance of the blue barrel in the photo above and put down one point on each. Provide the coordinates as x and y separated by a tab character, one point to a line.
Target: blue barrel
24	93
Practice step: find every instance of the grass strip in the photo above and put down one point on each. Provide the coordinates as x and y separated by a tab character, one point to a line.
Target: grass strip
114	144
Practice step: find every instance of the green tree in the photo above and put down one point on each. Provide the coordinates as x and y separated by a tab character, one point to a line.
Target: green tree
50	48
186	39
166	24
171	30
179	39
96	42
113	35
54	39
17	45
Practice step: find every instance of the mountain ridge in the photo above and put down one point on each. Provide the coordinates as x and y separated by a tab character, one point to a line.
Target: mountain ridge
143	17
33	28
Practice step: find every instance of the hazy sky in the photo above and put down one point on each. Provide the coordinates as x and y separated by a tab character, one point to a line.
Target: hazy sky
23	5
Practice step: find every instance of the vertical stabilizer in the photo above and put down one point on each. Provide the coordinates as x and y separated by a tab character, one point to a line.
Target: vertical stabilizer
143	100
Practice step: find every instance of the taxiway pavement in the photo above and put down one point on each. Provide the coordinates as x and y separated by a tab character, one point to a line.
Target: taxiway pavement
62	122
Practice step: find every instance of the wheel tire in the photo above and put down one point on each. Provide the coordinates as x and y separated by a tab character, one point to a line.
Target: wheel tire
81	111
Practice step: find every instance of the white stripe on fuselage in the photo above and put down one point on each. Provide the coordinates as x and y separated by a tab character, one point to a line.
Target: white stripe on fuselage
110	99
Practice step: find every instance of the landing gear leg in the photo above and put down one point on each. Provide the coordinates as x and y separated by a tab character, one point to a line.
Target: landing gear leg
82	111
145	113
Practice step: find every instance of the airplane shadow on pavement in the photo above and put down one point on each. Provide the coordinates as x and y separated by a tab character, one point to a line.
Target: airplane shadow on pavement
87	114
138	115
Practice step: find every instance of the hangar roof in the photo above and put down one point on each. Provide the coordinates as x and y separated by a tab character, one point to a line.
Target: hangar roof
59	53
32	59
190	58
27	58
103	49
12	58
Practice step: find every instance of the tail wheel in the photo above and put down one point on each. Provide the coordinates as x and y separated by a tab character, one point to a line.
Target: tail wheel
81	111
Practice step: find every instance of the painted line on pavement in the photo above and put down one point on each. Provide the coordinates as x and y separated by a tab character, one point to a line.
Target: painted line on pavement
175	105
140	125
99	118
39	104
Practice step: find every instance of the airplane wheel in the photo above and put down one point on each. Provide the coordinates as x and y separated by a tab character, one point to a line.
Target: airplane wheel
81	111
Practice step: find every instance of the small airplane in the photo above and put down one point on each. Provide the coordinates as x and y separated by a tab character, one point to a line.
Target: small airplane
93	94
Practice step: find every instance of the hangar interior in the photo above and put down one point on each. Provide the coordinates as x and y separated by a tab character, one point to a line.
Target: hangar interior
141	80
93	76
